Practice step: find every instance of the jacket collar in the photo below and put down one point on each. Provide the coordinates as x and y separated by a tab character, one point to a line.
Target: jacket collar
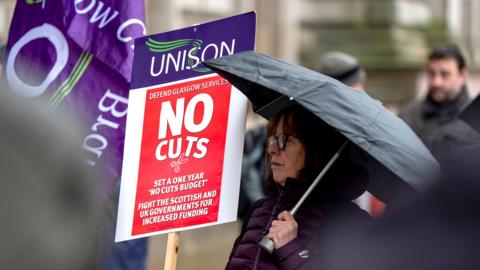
445	112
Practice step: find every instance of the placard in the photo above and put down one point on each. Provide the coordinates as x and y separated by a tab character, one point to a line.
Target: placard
185	129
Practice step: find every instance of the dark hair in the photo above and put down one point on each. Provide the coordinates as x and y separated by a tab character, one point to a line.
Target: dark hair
319	140
449	51
345	180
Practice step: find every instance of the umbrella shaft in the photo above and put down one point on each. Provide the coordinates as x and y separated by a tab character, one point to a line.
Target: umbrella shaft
319	177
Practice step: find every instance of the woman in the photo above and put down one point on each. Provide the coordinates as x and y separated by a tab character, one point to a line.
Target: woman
299	146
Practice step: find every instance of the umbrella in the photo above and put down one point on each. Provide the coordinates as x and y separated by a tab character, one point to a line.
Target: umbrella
396	158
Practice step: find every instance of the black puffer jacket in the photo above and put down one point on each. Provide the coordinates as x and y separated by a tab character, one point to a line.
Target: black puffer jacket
328	204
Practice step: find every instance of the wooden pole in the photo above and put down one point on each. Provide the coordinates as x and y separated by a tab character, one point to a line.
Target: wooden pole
171	253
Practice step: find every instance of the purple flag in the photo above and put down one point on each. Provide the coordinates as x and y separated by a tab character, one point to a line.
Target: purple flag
78	55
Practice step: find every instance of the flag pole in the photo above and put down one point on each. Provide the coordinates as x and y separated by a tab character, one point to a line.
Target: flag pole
173	243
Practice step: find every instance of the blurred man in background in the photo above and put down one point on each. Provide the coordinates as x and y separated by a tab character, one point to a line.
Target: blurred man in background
435	118
438	230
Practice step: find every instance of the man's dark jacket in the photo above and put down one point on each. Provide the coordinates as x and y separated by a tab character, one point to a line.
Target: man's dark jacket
439	127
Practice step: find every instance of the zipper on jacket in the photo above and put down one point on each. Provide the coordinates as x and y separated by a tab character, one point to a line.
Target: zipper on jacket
265	231
257	256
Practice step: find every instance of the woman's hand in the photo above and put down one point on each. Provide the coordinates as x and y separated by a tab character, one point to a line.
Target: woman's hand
283	230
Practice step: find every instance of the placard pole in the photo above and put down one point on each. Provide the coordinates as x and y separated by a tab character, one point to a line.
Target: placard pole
171	253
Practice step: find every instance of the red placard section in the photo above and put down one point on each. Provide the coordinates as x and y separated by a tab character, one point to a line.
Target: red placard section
181	159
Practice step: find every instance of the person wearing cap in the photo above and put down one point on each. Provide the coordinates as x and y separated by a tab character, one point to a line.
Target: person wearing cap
344	68
435	118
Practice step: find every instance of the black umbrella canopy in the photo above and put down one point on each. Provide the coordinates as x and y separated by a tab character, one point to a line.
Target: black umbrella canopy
271	85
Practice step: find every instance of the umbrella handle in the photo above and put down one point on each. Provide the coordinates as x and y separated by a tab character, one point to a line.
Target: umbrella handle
267	244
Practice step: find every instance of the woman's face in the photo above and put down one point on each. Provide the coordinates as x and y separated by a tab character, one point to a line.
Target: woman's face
289	161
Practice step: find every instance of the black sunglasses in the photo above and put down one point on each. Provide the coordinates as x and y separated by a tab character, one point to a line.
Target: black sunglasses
281	140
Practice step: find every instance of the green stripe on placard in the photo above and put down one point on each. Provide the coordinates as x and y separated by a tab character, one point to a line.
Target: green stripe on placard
154	48
167	43
165	46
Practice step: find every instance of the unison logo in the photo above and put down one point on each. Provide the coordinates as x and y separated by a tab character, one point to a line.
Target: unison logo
184	54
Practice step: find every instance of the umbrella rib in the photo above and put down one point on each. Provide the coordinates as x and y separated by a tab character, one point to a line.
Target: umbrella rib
270	103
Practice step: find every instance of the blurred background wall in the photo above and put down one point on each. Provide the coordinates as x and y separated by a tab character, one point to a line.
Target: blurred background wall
391	38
